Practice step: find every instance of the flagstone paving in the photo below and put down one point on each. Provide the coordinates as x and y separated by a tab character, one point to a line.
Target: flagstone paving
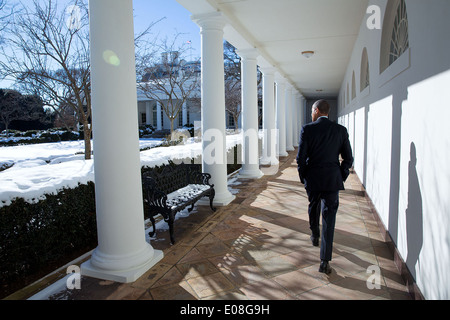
258	247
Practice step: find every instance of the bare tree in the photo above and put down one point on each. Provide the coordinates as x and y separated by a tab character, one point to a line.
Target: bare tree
66	117
49	56
233	83
233	100
168	78
5	12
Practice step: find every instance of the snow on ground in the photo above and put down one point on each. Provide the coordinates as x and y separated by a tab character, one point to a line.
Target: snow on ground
47	168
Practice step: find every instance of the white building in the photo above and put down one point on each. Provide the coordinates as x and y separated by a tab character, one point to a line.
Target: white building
151	108
151	112
384	63
148	111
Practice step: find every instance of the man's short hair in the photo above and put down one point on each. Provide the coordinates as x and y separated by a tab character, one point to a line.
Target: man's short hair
322	106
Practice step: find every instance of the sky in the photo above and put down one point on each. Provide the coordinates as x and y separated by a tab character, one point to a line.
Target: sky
175	19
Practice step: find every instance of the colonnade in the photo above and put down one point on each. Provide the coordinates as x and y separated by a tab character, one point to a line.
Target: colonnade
122	254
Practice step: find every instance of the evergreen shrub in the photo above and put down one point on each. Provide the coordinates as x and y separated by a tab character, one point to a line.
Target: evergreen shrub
36	235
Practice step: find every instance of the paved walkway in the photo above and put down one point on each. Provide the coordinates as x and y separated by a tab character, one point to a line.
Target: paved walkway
258	247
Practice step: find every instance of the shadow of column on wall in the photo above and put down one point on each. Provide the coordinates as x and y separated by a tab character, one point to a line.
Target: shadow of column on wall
366	135
397	101
414	214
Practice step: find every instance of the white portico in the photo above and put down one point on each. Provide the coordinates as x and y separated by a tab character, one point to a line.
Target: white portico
377	90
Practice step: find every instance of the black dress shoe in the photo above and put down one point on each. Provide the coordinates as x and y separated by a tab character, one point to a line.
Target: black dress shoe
325	267
315	241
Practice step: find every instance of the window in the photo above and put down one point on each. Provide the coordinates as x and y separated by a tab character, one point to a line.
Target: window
180	120
395	37
231	123
399	37
181	117
155	119
143	118
365	75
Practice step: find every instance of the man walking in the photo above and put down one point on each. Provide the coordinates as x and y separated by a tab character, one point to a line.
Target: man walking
321	143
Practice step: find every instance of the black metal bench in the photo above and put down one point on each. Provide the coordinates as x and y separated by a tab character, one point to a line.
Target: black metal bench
172	189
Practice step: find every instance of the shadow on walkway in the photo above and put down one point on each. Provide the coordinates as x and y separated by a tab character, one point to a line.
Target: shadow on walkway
258	247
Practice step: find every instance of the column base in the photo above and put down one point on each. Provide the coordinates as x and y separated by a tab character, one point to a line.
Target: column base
283	154
122	276
270	170
268	161
290	148
250	174
220	200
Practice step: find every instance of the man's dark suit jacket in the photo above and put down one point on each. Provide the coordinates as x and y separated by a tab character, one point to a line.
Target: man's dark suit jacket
321	143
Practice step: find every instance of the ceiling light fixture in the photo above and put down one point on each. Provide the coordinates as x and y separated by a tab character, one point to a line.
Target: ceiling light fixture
308	54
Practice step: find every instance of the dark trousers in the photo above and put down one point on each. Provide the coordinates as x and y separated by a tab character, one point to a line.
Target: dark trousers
327	203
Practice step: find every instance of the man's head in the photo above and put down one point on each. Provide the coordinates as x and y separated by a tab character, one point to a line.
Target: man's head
320	108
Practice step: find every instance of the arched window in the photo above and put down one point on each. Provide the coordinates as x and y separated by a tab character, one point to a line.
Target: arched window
365	75
399	38
395	38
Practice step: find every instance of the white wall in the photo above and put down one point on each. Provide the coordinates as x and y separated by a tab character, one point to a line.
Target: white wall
401	138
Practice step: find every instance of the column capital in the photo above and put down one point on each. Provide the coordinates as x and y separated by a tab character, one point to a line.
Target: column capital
268	71
210	21
279	79
248	54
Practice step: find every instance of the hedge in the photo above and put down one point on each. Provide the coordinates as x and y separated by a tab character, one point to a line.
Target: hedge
36	235
38	136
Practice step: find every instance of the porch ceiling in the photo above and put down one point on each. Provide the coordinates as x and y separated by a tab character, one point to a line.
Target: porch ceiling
282	29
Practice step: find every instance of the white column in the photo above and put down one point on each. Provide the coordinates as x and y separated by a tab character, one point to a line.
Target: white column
214	156
295	139
250	146
269	152
281	115
289	145
302	112
184	113
158	116
122	253
148	113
